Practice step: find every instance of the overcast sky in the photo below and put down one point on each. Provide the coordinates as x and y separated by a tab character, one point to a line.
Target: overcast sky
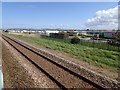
66	15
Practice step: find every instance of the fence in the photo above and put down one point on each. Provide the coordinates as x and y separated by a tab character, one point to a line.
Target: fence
90	43
100	45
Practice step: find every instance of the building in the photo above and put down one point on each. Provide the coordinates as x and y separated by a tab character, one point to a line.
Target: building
82	33
111	34
47	32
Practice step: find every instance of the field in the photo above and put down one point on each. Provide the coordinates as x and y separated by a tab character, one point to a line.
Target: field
95	56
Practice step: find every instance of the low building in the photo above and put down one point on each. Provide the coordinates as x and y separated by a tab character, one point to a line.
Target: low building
98	33
47	32
111	34
82	33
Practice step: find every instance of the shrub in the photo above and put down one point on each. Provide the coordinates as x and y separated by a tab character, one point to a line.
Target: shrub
75	40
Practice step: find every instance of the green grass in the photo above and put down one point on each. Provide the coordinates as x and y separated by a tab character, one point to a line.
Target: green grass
96	56
72	36
103	46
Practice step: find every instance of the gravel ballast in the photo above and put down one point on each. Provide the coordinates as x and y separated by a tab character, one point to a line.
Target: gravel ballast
87	73
20	73
93	76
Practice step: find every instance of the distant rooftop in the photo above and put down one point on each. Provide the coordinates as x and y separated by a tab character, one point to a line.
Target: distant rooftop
112	31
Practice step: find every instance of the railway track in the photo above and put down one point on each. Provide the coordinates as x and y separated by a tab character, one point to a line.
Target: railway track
59	74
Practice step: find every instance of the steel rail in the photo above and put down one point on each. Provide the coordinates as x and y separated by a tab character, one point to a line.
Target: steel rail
93	85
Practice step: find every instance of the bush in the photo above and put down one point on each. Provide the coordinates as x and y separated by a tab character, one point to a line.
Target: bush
6	31
75	40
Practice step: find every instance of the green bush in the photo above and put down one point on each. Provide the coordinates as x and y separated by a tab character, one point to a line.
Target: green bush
75	40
